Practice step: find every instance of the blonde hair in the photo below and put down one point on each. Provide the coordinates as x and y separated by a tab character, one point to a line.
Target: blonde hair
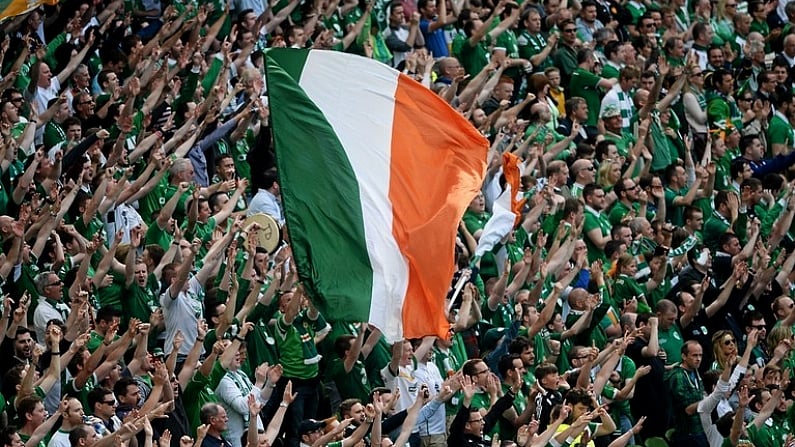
777	334
604	174
717	341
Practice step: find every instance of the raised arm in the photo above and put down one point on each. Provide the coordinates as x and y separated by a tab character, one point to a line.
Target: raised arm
75	61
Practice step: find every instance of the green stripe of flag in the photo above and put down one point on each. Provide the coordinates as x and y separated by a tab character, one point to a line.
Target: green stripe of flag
320	195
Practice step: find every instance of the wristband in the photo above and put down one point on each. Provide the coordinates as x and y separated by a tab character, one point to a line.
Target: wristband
368	420
284	405
239	338
199	339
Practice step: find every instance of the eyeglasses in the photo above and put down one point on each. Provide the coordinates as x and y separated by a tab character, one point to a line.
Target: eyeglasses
109	402
20	99
699	74
570	30
57	283
485	371
728	342
731	5
90	101
580	357
476	421
650	25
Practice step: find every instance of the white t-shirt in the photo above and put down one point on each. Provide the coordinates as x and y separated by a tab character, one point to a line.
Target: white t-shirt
406	382
182	314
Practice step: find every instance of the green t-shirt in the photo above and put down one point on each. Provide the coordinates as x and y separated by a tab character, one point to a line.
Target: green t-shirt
623	142
156	235
157	198
53	135
112	294
626	370
779	131
586	85
675	213
531	45
297	353
260	341
620	210
664	152
772	433
352	384
25	438
95	339
593	221
70	389
625	288
139	301
671	342
714	228
474	58
610	72
199	391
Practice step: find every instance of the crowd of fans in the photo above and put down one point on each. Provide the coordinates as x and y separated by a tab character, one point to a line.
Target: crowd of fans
645	296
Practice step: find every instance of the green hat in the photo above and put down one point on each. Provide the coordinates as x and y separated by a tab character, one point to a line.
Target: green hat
492	338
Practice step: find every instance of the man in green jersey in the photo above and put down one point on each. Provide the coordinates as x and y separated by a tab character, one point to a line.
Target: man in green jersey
780	135
33	417
299	358
587	85
532	44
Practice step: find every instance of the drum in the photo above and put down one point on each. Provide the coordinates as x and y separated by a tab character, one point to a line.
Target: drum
269	235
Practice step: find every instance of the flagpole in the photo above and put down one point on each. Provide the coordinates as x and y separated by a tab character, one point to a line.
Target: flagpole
465	274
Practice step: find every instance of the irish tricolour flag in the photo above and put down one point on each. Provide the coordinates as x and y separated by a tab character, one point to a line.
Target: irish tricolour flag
375	173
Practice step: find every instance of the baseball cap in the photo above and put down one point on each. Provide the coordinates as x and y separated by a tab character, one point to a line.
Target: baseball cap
310	425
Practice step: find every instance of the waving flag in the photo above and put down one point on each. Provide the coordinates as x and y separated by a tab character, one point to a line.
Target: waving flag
375	173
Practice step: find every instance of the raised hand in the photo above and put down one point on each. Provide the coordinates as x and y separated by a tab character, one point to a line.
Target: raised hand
288	396
254	406
468	387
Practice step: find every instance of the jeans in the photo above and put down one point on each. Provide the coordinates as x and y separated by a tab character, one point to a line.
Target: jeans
625	425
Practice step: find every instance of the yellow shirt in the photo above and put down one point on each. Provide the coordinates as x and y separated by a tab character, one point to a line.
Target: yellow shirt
560	97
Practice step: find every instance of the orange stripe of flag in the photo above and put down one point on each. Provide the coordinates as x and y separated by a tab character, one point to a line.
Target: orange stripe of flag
510	168
437	165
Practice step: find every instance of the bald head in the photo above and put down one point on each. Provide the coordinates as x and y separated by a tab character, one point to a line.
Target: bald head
582	171
578	298
449	66
789	45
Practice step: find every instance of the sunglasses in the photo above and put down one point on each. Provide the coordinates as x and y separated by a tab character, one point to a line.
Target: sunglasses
728	342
